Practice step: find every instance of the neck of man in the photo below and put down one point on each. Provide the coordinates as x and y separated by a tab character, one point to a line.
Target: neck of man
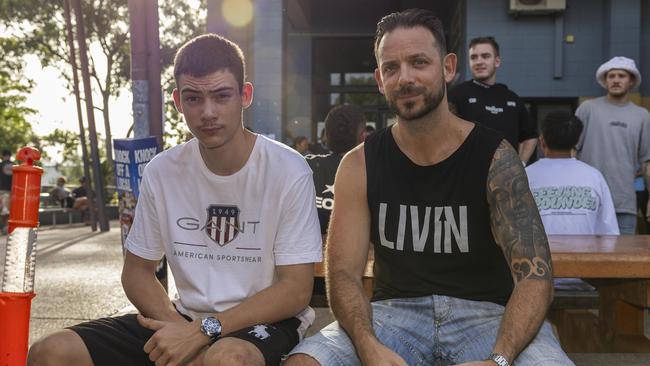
491	80
557	154
432	138
229	158
619	99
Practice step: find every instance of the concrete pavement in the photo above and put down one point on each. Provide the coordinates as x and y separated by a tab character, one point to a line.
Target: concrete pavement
77	277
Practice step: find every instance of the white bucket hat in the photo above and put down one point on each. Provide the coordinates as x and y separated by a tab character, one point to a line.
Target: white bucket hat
620	63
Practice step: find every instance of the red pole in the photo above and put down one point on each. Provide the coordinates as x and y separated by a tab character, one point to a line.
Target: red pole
18	259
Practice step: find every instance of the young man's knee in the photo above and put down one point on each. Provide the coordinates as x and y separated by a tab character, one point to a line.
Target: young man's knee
61	348
300	359
233	352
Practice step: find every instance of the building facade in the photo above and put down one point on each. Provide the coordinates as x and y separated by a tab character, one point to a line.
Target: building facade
305	56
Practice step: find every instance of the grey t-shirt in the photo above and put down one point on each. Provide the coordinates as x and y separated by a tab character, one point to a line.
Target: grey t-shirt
615	140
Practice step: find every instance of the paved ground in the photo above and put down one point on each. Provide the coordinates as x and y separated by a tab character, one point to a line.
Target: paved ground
78	279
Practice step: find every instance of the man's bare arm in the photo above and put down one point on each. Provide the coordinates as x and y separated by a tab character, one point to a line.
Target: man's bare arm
526	149
518	230
145	291
347	252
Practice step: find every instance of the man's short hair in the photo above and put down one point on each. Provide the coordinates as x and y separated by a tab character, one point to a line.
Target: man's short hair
6	152
298	140
482	40
343	125
210	53
561	130
412	18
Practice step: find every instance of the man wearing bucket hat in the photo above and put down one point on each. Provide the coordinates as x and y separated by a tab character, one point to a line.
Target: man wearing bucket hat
616	136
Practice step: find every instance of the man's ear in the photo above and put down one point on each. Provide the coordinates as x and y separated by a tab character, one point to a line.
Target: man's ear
176	95
497	61
247	95
380	83
450	61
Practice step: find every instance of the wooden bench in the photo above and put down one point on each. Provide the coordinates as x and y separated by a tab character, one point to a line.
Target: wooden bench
619	266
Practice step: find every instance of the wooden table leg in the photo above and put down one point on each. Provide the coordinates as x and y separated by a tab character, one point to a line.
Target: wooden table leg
623	309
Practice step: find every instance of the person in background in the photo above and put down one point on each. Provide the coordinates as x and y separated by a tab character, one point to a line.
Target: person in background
61	195
492	104
616	137
572	197
344	128
80	196
320	147
301	145
6	167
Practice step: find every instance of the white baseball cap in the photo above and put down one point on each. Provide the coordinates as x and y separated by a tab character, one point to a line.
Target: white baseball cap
619	63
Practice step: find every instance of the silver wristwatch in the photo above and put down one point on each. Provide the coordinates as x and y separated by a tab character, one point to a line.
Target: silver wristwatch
211	327
499	359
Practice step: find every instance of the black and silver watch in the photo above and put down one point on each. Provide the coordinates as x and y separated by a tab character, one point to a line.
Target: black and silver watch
499	359
211	327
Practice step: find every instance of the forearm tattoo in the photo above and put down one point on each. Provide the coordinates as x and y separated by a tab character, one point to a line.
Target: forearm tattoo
515	220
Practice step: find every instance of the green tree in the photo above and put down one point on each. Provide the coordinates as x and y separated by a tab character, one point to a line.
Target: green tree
15	131
41	27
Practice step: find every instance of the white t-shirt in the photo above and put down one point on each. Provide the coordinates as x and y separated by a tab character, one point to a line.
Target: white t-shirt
224	235
572	197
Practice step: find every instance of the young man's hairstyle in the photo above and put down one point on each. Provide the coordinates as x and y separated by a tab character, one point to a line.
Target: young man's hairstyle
412	18
343	125
483	40
6	153
561	130
210	53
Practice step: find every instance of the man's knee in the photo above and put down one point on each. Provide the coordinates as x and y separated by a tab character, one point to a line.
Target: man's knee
61	348
233	352
300	359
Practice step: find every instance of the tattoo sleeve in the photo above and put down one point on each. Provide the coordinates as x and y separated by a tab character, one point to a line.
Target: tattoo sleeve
515	220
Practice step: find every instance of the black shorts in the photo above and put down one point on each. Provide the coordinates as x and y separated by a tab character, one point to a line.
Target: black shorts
120	340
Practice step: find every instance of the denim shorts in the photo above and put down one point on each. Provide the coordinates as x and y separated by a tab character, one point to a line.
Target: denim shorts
433	330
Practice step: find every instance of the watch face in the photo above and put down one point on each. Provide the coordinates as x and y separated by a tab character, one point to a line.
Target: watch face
211	326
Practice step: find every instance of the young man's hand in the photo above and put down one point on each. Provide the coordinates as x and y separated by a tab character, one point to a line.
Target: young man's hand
173	343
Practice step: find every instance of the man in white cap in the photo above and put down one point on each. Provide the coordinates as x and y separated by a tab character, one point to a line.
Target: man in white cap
616	136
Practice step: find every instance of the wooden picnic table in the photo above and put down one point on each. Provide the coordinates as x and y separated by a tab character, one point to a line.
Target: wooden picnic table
619	266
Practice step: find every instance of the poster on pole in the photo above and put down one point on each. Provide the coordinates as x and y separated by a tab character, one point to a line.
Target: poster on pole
131	156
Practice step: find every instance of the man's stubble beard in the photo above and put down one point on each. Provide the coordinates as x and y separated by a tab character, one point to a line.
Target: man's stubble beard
431	101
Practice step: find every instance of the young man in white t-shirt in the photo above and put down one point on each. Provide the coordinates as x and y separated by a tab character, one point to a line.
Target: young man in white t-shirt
572	197
234	213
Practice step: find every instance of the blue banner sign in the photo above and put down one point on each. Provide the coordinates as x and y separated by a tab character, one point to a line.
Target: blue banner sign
131	156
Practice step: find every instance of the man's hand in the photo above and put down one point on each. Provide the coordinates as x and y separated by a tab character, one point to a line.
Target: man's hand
173	343
478	363
381	355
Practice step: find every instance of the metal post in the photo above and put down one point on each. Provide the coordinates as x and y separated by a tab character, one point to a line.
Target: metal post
82	130
97	173
154	68
140	85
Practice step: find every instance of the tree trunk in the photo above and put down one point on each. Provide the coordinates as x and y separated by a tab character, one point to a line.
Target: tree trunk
107	128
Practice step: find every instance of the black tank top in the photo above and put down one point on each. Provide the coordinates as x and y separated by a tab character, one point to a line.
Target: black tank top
430	225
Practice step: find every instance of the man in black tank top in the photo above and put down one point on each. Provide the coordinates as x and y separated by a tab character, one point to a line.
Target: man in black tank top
463	271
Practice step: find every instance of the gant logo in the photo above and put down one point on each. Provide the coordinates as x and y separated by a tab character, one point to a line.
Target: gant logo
222	223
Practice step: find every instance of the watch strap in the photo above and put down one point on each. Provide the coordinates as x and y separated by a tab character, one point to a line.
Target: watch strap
499	359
